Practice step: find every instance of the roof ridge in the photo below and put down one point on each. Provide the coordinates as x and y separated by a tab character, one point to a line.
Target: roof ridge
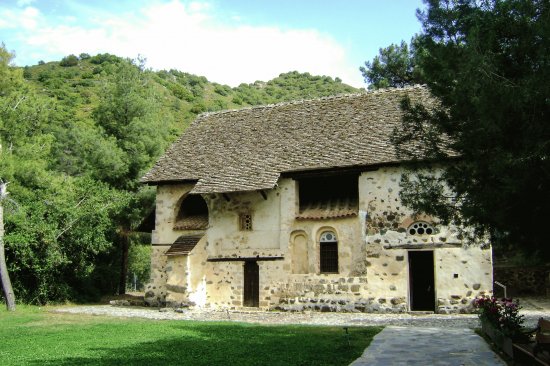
301	101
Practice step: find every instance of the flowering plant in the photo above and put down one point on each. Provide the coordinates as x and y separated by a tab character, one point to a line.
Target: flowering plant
502	314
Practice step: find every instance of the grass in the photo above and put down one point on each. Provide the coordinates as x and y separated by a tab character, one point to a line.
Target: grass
37	336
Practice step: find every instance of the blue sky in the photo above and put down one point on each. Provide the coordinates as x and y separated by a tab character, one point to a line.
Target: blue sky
229	42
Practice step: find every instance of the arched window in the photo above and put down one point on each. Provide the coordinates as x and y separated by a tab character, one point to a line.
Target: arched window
421	228
328	252
192	214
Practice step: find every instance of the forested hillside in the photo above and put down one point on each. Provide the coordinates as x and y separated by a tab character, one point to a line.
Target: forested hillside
75	137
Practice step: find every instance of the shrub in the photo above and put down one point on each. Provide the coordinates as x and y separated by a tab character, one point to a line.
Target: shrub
68	61
502	314
27	73
104	58
44	75
221	90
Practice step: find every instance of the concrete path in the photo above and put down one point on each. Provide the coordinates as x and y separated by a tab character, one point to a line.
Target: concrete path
410	346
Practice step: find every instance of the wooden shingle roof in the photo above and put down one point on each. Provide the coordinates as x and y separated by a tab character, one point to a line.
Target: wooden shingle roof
248	149
183	245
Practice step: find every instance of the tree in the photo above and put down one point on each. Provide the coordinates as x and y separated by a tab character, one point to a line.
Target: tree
9	77
129	115
70	60
395	66
488	63
4	275
62	231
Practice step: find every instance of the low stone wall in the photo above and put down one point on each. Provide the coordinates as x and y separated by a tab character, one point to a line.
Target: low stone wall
370	305
339	294
522	280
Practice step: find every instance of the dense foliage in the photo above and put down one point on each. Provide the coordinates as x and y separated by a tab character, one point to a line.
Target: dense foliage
396	66
75	137
488	62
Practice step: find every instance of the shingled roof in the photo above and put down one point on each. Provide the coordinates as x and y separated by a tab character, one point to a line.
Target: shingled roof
248	149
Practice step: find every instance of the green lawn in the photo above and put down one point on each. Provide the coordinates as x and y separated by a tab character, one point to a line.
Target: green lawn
36	336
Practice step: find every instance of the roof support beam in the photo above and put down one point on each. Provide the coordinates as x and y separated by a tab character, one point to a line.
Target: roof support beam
245	259
264	195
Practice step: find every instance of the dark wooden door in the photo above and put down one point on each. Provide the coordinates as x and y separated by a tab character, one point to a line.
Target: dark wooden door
421	280
251	284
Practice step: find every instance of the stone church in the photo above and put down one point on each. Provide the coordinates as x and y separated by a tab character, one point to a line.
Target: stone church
295	206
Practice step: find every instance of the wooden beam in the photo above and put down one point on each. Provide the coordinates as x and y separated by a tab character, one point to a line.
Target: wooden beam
264	195
423	246
236	259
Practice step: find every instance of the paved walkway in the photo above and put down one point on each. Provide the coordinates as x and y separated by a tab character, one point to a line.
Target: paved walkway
413	346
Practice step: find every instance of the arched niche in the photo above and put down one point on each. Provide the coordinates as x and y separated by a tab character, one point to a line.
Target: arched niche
192	213
299	252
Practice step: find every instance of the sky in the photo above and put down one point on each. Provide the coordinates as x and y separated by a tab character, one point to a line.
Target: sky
228	41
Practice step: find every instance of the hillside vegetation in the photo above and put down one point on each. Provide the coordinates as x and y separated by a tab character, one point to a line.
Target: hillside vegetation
75	137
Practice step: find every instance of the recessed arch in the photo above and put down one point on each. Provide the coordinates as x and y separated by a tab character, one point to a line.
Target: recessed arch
299	251
192	213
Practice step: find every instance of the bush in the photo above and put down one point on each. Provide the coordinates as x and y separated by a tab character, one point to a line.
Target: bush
27	73
68	61
104	58
44	76
198	108
501	314
221	90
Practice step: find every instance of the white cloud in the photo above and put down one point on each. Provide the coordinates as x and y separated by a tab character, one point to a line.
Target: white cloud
193	38
29	17
8	19
26	19
24	2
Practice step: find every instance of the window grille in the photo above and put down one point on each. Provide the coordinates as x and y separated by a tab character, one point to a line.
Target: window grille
421	228
245	222
328	252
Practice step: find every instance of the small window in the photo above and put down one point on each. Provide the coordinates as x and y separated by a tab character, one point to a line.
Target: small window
328	252
245	222
421	228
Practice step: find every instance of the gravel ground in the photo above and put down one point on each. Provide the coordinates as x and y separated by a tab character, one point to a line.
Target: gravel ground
532	313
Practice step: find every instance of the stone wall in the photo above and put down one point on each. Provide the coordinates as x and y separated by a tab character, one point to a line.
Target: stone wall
523	280
155	290
373	253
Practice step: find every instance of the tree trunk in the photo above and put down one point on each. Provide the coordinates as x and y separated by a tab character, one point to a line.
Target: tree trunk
124	246
4	276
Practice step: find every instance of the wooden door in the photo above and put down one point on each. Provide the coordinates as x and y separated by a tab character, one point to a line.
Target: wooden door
421	280
251	284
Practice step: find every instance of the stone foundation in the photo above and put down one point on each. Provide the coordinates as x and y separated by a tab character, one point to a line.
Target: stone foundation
370	305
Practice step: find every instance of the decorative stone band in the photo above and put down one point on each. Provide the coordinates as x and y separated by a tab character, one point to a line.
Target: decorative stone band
233	259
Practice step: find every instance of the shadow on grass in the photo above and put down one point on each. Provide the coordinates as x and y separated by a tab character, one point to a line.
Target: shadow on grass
220	344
